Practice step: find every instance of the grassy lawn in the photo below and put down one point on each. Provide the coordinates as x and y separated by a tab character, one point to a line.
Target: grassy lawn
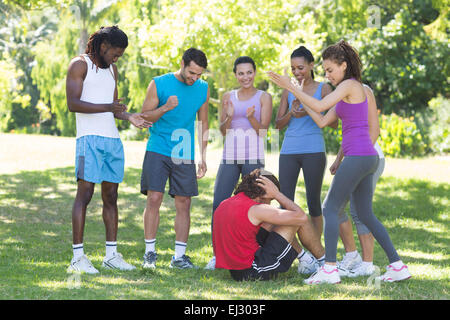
37	189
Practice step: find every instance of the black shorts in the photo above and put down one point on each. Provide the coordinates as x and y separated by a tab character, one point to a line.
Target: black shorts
157	168
275	255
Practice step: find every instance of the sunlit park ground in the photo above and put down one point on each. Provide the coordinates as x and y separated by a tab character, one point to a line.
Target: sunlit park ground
37	188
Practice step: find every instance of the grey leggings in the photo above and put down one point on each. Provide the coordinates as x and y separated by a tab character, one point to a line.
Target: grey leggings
361	228
313	165
354	177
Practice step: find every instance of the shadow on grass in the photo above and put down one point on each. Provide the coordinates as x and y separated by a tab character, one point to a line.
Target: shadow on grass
36	233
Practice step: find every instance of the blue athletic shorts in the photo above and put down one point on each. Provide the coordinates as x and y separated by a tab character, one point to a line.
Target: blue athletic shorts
99	159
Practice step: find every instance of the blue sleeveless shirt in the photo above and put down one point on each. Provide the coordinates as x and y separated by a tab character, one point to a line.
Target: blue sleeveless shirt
303	135
173	134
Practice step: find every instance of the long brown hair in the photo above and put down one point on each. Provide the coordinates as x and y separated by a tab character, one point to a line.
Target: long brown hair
250	186
343	51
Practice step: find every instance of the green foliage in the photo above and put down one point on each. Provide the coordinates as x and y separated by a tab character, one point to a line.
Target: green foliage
333	138
403	45
50	71
9	92
403	65
22	30
440	129
400	137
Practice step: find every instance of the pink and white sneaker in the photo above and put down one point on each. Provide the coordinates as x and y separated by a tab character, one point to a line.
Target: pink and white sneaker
395	274
325	274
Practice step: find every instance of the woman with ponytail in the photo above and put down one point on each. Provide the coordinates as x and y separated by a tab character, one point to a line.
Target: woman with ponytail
354	176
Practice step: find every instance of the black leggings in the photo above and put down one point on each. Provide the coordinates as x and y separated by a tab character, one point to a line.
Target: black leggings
313	165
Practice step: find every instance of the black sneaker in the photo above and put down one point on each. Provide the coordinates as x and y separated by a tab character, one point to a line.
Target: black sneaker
183	262
150	260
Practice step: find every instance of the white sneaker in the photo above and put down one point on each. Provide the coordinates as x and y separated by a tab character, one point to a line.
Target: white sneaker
308	268
82	264
323	276
363	270
393	275
116	262
350	263
343	272
211	264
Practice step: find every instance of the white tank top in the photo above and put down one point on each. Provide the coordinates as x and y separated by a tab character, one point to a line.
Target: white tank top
98	88
378	148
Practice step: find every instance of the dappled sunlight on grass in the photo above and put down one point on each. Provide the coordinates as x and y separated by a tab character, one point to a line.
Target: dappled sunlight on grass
35	244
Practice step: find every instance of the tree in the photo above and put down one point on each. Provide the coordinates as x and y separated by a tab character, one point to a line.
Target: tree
50	71
20	32
404	66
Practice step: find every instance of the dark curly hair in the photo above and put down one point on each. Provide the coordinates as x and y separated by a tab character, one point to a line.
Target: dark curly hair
111	35
249	185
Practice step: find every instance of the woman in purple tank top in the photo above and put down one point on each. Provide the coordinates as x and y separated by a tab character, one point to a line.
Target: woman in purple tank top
347	102
244	118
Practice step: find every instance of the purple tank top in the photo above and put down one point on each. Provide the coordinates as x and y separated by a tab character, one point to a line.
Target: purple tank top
355	128
241	141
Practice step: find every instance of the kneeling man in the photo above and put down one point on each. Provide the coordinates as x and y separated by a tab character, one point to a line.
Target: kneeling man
255	240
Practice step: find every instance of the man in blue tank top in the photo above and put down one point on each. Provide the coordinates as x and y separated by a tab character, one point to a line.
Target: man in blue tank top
173	100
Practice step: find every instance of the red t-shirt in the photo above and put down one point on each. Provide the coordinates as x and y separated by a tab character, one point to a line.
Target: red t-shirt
234	236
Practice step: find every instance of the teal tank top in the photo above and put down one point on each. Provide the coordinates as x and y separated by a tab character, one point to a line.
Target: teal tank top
303	135
173	134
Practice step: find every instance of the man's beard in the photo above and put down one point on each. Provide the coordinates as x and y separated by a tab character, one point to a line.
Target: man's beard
183	76
102	63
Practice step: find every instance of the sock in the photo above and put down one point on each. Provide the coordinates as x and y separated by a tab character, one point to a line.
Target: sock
150	245
351	254
305	257
111	248
78	250
180	249
321	260
329	267
367	264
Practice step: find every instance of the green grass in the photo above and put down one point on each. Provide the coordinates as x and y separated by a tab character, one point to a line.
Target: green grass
35	245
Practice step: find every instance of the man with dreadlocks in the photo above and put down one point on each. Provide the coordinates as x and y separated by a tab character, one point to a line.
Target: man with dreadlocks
91	89
255	240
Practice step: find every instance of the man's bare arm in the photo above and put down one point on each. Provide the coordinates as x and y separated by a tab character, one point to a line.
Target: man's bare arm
74	87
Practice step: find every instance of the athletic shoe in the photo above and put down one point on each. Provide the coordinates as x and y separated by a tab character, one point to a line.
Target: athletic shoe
323	276
117	262
393	275
350	263
363	270
343	272
211	264
308	268
184	262
150	260
82	264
